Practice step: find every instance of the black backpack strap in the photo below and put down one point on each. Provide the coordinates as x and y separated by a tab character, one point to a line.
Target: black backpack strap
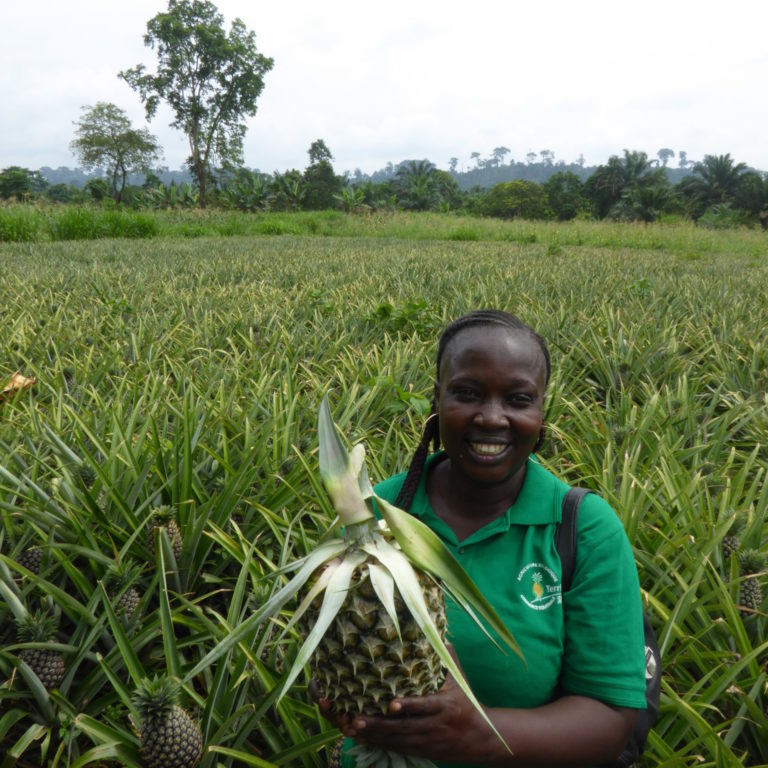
565	535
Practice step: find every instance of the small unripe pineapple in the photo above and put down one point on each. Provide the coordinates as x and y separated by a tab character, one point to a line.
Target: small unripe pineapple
168	735
48	665
86	475
31	558
164	519
119	582
751	562
732	539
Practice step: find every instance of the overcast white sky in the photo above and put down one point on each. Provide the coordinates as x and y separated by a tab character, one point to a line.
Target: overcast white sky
413	79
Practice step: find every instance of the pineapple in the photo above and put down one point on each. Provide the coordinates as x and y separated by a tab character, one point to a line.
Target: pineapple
31	558
86	475
168	735
119	582
538	590
751	562
164	519
371	610
48	665
732	539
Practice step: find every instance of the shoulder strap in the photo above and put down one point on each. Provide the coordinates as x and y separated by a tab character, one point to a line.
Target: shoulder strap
565	535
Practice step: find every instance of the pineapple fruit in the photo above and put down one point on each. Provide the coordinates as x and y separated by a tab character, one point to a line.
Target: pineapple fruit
164	518
371	611
48	665
119	582
87	475
31	558
732	540
751	562
169	738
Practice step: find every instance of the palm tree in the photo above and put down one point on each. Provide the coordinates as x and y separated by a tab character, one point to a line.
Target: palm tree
415	190
717	178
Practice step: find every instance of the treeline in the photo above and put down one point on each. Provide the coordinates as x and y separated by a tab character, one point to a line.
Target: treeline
716	192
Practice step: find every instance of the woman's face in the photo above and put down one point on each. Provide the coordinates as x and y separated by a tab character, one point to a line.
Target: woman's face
490	399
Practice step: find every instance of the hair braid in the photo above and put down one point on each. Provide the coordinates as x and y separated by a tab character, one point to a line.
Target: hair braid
431	432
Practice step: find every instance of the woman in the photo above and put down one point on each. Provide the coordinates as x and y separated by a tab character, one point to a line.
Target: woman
575	700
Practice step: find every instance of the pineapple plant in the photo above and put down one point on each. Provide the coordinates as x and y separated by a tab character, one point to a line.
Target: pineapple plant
164	518
40	627
751	562
169	738
371	612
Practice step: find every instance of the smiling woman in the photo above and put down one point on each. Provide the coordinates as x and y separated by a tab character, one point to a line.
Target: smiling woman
496	509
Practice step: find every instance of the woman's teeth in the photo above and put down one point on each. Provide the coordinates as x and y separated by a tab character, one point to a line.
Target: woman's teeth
487	449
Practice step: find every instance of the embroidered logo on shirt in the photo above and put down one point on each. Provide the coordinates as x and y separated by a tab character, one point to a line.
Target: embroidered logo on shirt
539	586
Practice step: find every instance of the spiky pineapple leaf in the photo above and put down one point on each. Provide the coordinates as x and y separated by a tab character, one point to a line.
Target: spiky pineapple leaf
335	595
314	560
17	607
166	619
384	585
243	757
41	695
127	652
424	549
126	695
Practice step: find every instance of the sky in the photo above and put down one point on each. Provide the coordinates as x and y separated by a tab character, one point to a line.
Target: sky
390	81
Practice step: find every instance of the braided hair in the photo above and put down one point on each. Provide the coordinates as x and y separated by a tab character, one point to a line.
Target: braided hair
431	432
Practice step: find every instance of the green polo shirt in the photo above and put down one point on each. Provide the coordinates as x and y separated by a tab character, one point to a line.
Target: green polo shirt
590	642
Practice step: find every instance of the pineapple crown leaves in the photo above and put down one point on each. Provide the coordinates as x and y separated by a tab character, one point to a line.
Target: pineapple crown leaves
37	626
120	575
162	515
751	562
154	698
343	474
738	523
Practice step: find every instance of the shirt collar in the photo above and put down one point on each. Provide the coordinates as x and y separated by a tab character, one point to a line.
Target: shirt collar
536	504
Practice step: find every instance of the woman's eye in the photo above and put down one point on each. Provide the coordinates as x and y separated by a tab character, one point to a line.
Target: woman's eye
465	394
519	398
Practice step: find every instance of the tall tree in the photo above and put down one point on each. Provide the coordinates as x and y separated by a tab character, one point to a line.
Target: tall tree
105	139
415	185
665	154
321	184
499	153
210	79
318	152
718	177
20	183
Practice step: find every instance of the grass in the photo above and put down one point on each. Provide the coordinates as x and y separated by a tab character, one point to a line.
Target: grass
187	371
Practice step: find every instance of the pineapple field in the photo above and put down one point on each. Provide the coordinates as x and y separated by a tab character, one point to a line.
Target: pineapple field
159	462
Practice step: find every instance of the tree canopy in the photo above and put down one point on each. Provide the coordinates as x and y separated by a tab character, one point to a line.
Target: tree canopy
105	139
210	79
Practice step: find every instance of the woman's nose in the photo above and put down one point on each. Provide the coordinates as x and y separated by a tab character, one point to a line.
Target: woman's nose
492	413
